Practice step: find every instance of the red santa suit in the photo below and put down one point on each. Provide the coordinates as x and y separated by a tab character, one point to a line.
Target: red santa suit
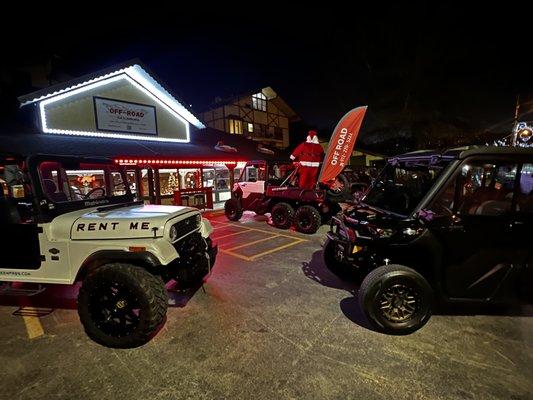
308	154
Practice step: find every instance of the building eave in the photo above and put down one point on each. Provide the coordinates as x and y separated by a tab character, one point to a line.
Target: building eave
135	70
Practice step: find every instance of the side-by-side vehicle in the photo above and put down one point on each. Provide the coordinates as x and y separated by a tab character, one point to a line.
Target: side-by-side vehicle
449	227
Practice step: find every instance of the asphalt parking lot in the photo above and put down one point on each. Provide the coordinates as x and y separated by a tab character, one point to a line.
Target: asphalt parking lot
271	323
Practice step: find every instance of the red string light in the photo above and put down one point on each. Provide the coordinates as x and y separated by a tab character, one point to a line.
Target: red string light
130	161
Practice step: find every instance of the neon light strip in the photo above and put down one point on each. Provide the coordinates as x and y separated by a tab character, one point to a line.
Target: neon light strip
63	96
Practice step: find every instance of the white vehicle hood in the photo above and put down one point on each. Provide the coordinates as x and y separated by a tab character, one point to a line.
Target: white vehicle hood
138	221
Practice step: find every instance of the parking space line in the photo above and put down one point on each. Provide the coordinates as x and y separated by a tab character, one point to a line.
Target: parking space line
230	234
261	230
33	327
256	256
216	227
296	241
253	242
235	255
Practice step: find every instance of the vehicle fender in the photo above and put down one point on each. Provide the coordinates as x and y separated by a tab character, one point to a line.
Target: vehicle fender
144	259
206	229
424	254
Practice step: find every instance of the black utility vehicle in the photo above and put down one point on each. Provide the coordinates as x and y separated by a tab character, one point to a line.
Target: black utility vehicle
451	226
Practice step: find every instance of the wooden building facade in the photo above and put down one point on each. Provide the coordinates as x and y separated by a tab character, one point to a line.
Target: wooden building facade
262	116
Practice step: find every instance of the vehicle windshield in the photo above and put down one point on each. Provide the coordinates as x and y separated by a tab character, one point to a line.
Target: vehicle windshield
91	183
401	185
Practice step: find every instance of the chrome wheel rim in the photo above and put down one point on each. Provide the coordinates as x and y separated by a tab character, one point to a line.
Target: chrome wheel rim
399	303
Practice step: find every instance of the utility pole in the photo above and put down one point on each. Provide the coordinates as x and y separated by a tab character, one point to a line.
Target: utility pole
516	111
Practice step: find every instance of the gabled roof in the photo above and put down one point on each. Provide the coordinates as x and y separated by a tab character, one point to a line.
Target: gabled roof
134	70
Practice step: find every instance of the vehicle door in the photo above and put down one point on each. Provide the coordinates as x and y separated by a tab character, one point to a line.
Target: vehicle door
19	233
479	235
522	225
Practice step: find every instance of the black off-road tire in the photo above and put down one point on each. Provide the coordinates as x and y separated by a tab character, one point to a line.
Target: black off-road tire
379	283
307	219
146	289
342	193
233	210
341	269
282	215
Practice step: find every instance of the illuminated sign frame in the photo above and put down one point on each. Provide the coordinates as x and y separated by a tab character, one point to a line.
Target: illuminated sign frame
141	80
100	119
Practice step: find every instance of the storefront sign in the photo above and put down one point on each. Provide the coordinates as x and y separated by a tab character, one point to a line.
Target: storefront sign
125	117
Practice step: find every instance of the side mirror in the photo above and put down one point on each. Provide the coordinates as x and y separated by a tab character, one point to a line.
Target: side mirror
425	215
444	217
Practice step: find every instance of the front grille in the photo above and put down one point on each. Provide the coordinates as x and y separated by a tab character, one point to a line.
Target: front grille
187	226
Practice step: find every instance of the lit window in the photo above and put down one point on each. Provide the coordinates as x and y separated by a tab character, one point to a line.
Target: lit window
259	101
250	127
235	126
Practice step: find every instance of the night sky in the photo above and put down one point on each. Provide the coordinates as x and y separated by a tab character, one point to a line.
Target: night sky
451	65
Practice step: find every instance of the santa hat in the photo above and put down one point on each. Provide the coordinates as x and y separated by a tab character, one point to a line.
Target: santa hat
312	137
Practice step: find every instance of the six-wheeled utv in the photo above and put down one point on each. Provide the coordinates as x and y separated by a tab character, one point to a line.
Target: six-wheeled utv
451	226
65	219
269	187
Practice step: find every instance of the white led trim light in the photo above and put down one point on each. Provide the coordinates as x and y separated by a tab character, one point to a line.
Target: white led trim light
63	96
133	76
46	96
140	75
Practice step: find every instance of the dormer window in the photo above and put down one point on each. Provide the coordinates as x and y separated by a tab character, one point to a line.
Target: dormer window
259	101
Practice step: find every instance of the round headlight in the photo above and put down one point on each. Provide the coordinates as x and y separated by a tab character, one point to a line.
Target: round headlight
173	233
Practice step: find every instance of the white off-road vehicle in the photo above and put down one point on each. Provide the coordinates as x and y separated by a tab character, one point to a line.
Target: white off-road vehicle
64	220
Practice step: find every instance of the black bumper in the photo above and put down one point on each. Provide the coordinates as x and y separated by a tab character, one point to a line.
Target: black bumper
338	234
345	248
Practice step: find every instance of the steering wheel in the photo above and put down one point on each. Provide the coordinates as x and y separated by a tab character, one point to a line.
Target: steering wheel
92	191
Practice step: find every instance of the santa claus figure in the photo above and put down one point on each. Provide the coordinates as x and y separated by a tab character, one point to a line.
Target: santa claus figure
308	155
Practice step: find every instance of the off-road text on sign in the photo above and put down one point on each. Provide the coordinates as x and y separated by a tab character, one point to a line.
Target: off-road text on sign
125	117
343	148
129	113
